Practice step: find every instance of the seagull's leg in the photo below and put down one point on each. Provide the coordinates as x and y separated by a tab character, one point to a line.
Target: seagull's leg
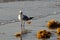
24	27
21	29
24	24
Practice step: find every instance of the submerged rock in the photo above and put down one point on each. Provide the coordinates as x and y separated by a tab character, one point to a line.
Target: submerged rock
43	34
18	34
52	24
58	31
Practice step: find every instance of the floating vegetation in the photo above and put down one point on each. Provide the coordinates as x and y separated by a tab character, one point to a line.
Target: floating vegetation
43	34
58	31
28	22
18	34
52	24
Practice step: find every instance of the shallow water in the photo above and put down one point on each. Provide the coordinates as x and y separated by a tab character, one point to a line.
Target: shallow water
8	18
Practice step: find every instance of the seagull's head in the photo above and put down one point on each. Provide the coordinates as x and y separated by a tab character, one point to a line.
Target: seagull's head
20	12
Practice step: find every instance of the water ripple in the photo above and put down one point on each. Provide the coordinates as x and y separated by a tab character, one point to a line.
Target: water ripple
3	22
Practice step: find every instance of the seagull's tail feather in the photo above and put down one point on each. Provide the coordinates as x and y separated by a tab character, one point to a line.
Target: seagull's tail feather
30	18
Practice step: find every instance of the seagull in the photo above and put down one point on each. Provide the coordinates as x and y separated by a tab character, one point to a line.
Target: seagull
24	17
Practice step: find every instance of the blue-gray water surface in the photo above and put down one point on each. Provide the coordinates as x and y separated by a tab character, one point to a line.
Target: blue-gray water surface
45	10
